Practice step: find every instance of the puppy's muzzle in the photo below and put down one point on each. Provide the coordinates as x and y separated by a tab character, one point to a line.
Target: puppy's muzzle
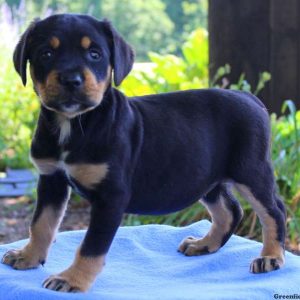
71	99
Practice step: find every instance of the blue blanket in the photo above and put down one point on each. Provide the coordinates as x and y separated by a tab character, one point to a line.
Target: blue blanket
143	264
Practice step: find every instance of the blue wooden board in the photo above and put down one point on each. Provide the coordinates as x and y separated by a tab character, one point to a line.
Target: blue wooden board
17	182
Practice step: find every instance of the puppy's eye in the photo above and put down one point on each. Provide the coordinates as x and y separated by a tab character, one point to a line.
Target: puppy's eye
46	55
94	54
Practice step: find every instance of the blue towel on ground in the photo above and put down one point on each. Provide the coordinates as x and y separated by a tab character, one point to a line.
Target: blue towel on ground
143	263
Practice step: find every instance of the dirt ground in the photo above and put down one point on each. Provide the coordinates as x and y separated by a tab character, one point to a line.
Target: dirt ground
16	214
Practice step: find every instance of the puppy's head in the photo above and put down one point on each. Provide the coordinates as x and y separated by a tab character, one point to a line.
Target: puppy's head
71	58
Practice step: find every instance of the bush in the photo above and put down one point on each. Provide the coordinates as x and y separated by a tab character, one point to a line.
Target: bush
285	149
286	160
19	108
169	72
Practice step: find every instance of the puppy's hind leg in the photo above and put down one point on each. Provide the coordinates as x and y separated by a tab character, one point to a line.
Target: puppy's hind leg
259	190
226	214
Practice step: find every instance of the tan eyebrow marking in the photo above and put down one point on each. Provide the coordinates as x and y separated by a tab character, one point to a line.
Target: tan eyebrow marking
85	42
54	42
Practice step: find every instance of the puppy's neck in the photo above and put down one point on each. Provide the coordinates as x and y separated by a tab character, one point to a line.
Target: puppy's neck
64	125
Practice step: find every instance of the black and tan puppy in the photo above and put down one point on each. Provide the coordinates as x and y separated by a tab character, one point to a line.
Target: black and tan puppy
148	155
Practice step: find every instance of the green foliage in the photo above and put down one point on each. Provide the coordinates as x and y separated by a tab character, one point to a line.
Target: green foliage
286	147
242	84
286	159
156	25
186	15
191	214
19	108
169	72
144	24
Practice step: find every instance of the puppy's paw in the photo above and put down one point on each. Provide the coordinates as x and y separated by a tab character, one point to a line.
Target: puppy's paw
192	246
72	280
21	259
78	277
266	264
62	284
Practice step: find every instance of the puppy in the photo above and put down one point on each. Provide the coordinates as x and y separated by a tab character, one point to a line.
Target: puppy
154	154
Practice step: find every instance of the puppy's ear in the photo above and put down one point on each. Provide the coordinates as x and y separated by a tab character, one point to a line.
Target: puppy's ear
122	53
20	55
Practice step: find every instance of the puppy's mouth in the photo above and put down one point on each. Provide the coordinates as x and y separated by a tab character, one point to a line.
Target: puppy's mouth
70	108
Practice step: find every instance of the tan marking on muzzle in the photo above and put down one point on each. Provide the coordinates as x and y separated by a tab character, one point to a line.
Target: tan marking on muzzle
51	89
48	90
54	42
93	89
85	42
87	175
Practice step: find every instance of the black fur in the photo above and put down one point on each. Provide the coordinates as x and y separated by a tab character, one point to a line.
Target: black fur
52	190
164	151
21	52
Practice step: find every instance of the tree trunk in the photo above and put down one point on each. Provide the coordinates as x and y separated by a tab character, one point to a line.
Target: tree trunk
256	36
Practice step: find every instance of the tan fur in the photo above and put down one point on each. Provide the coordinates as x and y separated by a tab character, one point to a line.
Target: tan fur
88	175
271	246
43	231
42	234
81	274
49	90
45	166
93	89
221	222
54	42
85	42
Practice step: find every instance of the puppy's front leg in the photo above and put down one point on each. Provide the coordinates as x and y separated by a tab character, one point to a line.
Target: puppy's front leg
105	219
53	194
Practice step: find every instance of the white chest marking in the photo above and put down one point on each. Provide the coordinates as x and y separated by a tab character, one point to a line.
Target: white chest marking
65	130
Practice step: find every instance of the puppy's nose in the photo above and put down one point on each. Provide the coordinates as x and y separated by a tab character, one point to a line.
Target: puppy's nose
72	80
